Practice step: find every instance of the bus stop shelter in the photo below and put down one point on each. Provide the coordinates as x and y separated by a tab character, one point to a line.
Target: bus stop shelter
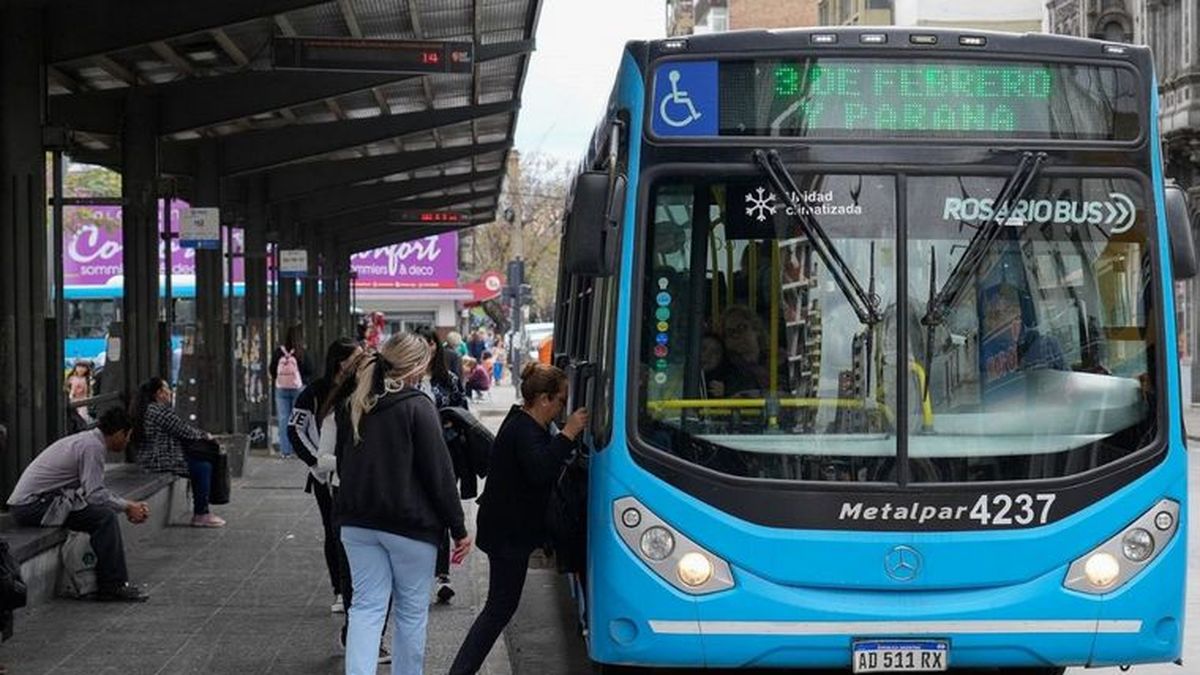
328	127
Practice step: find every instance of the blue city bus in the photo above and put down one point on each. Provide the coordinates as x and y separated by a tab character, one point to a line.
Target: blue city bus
92	309
877	331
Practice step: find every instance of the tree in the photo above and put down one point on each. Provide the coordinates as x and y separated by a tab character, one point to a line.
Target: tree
537	190
84	180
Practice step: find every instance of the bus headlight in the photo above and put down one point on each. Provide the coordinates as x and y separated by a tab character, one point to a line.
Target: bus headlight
1119	559
1102	569
657	543
671	555
694	569
1137	545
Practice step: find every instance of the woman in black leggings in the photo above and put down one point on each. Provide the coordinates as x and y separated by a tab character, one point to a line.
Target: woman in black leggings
525	461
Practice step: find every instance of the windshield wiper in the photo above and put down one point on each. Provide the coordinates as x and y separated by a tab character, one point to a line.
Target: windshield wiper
1013	190
865	304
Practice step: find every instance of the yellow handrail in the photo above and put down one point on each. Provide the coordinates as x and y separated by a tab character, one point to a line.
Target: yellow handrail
756	403
926	404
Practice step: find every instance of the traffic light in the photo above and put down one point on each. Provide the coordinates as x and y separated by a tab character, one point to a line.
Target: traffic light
525	294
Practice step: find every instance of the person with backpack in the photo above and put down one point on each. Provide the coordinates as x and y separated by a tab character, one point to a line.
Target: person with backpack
64	485
290	370
526	460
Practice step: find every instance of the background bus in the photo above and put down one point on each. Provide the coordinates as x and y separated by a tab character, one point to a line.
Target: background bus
879	345
91	310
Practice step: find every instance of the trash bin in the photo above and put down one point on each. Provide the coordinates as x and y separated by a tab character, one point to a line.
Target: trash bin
237	446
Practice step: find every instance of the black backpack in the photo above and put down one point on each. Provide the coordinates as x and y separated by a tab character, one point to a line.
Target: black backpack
566	516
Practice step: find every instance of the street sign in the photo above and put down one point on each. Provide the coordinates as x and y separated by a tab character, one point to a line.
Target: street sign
200	227
293	263
372	55
410	217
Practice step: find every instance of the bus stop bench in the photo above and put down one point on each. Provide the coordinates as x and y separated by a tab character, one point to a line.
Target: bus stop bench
37	548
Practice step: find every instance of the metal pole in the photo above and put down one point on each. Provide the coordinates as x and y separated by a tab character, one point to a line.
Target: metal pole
58	426
230	353
168	237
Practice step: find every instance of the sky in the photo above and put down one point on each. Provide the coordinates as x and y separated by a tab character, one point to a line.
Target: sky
579	45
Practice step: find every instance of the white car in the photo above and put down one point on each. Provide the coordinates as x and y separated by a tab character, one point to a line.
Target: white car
535	333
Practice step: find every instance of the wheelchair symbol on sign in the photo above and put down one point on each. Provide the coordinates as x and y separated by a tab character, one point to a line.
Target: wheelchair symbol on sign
677	98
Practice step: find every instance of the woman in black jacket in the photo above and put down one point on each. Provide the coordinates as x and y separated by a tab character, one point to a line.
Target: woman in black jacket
446	390
304	432
526	459
397	496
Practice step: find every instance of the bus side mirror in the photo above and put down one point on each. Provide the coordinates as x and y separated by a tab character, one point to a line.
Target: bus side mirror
590	235
1179	229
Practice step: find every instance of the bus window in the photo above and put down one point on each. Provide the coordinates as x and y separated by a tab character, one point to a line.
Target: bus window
1043	366
753	361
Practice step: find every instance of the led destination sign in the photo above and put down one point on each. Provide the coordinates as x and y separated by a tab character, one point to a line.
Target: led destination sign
912	98
851	97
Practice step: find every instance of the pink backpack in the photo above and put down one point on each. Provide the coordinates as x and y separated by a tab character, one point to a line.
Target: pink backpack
287	374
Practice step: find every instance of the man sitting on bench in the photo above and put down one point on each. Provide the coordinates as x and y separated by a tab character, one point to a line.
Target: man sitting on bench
64	485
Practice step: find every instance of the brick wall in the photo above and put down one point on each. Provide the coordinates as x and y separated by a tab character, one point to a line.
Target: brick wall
772	14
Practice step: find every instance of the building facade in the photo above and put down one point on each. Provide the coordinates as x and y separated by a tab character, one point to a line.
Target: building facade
1012	15
1170	28
696	17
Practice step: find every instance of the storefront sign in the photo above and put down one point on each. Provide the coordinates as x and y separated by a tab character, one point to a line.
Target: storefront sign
429	262
93	250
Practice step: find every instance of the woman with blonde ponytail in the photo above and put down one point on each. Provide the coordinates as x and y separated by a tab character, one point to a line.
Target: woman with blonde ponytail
398	494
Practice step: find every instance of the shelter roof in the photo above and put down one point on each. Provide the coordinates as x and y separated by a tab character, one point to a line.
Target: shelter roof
338	151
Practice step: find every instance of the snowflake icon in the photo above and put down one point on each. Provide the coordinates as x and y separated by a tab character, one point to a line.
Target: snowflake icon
760	204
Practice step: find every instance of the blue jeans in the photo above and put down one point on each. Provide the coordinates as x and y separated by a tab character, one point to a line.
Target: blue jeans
382	565
201	474
285	400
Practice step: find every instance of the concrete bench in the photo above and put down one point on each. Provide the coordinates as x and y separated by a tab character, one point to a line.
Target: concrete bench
37	548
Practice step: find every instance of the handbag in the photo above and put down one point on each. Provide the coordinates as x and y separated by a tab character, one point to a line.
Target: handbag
218	492
77	576
203	449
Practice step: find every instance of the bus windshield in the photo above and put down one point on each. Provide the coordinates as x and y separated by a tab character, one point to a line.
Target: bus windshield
754	362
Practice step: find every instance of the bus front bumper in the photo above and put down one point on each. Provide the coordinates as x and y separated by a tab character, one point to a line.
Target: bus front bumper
638	619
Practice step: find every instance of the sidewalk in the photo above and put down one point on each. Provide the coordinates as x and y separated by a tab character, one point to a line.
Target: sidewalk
1191	421
500	399
252	597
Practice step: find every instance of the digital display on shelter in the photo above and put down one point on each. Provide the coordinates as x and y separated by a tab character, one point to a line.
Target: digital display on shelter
842	97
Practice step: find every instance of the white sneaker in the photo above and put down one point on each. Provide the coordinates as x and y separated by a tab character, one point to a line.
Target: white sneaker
337	607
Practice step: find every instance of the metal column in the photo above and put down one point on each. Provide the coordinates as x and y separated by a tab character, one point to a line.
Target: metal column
329	304
345	309
212	352
286	313
310	304
138	343
255	386
25	381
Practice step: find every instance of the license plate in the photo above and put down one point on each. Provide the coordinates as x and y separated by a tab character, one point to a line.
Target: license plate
901	656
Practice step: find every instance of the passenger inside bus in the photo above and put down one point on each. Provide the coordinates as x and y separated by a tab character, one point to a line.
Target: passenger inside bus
745	347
